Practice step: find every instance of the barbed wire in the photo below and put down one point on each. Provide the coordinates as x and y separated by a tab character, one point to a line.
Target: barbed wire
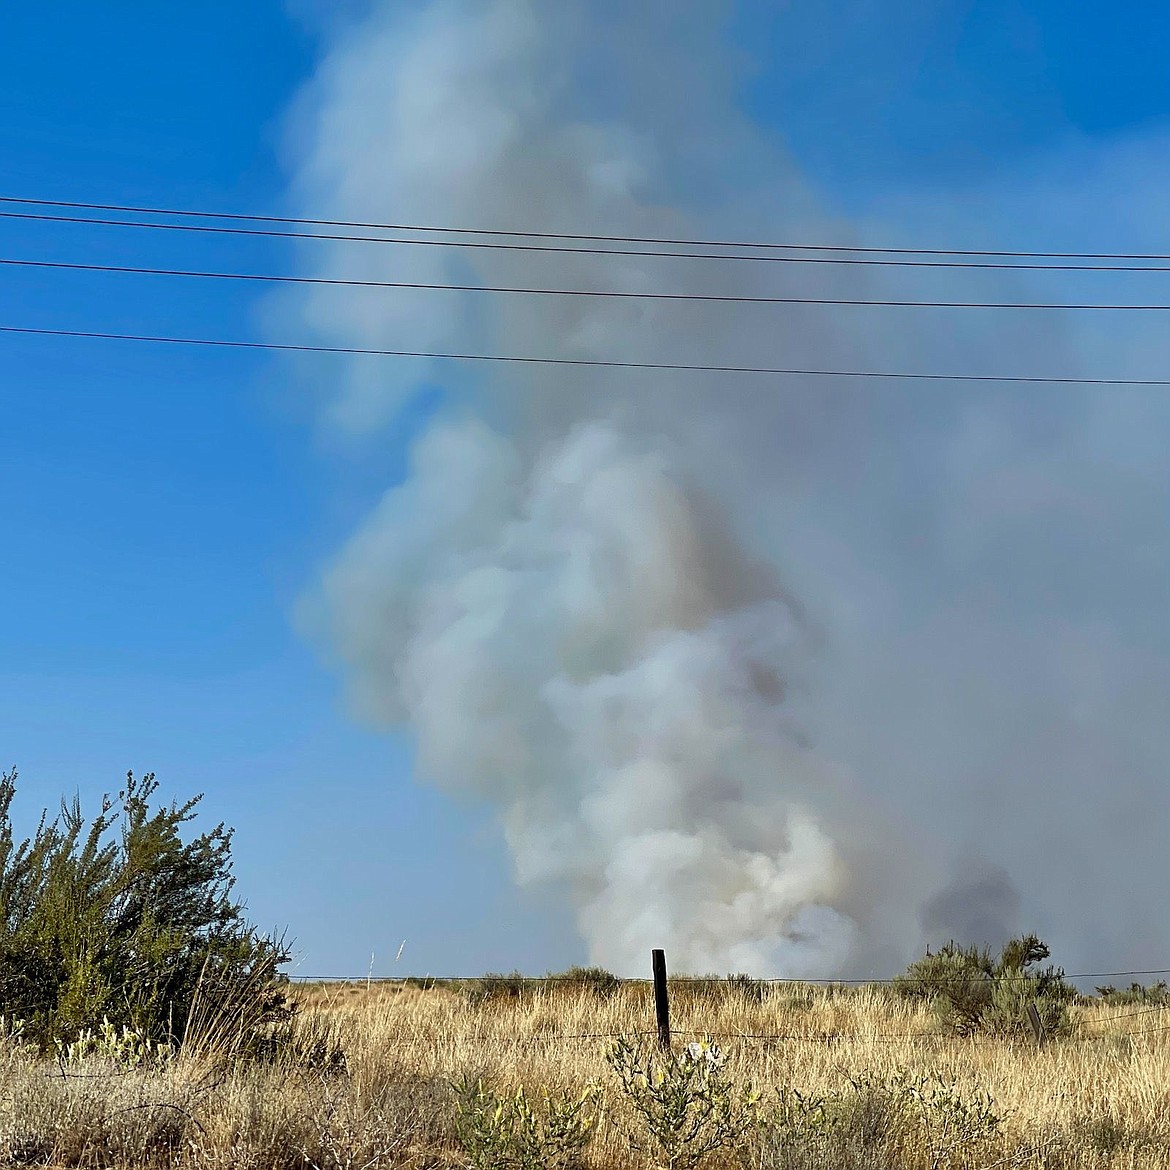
704	1034
1131	1015
734	979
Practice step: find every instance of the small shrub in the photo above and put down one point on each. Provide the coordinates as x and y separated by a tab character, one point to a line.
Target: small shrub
974	992
688	1105
718	989
124	1047
493	987
959	1128
799	1123
1154	994
594	980
508	1132
744	987
883	1119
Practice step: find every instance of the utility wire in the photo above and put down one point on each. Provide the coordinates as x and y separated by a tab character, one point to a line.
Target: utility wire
720	298
680	367
285	233
665	240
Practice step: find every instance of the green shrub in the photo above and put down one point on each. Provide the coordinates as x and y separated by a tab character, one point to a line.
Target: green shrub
506	1131
688	1105
124	1048
744	987
881	1119
715	990
595	980
974	992
1154	994
493	987
119	926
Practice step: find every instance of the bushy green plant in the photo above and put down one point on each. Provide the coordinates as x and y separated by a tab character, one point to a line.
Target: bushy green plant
507	1131
746	988
958	1127
688	1104
974	992
494	987
883	1115
799	1121
119	921
1154	994
125	1047
595	980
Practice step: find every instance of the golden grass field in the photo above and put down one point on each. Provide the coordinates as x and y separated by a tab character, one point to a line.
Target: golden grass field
1099	1099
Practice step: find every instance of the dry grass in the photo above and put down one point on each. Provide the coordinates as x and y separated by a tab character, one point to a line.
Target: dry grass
1100	1100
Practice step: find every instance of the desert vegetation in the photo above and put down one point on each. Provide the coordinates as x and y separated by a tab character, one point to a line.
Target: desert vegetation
145	1024
387	1074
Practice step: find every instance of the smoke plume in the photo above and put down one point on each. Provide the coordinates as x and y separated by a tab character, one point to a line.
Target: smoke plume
704	641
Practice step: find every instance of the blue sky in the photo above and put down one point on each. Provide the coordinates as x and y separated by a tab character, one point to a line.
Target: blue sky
162	510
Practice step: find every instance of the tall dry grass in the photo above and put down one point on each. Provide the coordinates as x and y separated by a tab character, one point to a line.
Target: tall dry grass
1099	1100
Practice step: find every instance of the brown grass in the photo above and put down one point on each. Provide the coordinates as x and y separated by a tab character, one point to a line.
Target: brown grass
1100	1100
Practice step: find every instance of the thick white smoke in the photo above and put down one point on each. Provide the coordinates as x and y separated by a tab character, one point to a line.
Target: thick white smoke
579	641
584	597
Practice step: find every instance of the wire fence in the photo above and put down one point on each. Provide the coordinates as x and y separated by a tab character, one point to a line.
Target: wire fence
841	1039
586	975
731	984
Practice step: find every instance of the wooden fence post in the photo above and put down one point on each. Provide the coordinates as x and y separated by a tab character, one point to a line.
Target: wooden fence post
661	999
1036	1022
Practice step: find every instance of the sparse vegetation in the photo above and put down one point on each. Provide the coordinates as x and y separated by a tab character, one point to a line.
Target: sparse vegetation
392	1075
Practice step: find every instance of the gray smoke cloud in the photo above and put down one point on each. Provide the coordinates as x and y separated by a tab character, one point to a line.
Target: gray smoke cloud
752	668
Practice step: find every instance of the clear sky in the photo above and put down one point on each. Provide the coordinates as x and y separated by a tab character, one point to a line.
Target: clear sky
164	511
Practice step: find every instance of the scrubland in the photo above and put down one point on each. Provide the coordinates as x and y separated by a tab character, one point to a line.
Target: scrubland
388	1074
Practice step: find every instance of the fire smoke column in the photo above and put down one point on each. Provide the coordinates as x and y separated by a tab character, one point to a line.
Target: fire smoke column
579	642
558	601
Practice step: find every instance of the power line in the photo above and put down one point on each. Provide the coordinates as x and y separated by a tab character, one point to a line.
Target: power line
618	239
285	233
679	367
621	294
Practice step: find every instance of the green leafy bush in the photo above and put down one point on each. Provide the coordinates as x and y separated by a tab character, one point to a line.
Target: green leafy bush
514	987
688	1105
120	925
974	992
1153	994
507	1131
883	1118
595	980
123	1047
493	987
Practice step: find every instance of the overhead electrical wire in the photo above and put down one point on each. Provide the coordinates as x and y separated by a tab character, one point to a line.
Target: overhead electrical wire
869	261
679	367
620	294
129	209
